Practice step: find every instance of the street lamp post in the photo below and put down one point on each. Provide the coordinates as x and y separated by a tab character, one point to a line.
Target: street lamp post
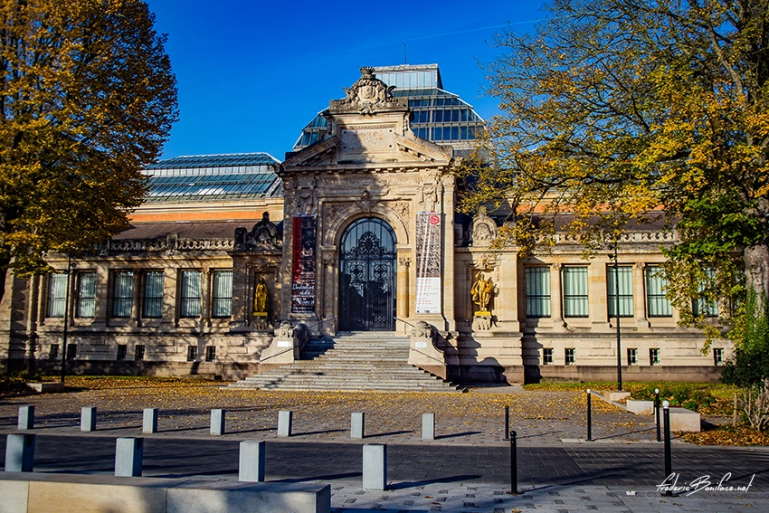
616	316
70	265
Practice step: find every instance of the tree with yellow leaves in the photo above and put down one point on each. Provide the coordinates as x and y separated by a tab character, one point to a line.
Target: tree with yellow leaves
87	98
615	111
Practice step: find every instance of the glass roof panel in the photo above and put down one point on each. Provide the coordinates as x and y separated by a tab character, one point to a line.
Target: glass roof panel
206	177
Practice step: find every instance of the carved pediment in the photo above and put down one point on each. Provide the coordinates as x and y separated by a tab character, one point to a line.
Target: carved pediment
367	96
264	236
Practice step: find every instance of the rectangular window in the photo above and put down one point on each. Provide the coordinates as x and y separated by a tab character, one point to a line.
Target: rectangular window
632	356
657	304
222	298
575	299
139	352
569	356
57	291
54	352
718	356
210	353
153	295
654	356
622	276
192	353
86	294
190	294
702	306
547	356
537	291
71	351
122	294
122	350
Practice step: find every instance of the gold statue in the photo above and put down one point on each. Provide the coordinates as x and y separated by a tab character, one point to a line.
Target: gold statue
481	292
260	297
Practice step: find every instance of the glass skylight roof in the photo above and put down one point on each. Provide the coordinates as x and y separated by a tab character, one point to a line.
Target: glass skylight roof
221	160
439	116
213	177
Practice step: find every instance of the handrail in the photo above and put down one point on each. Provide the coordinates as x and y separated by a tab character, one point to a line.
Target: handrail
407	322
276	354
427	355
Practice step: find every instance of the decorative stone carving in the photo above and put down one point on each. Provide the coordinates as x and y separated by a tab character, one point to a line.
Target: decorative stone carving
304	195
367	95
422	351
366	203
403	209
287	344
285	330
405	261
260	265
429	196
484	229
333	211
482	322
171	245
263	236
422	330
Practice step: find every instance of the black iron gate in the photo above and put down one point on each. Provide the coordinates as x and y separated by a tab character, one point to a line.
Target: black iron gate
367	277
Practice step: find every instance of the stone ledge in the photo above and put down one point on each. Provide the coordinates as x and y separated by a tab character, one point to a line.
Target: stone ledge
614	395
31	492
682	419
46	388
640	407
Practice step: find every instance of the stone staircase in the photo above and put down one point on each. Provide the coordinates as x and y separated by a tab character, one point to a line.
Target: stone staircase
359	361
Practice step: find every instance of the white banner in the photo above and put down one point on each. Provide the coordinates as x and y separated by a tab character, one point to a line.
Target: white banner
428	262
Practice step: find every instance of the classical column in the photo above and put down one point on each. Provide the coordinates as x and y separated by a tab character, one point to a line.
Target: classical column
136	297
32	303
42	287
639	299
241	294
402	297
327	303
171	277
555	294
205	297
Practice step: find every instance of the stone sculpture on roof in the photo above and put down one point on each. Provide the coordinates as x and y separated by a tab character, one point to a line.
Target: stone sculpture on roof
367	95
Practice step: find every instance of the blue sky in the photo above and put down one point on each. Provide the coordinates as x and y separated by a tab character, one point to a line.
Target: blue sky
251	74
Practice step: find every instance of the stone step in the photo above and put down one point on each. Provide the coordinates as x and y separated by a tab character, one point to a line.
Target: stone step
356	361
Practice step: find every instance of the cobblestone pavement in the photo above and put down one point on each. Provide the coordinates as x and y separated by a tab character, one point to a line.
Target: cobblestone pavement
466	469
473	418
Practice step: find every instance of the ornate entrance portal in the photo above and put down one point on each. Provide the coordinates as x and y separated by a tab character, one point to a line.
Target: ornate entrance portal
367	277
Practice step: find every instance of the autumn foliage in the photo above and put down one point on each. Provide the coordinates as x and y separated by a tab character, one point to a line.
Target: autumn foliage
87	98
617	111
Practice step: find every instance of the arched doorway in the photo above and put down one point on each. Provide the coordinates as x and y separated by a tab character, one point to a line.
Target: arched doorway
367	277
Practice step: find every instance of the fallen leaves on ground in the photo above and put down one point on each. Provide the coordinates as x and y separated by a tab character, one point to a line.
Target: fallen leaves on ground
729	435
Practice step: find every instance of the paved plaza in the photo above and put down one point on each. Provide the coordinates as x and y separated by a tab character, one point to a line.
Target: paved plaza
465	469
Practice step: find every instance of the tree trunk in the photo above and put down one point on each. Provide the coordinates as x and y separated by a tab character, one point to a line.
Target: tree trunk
757	271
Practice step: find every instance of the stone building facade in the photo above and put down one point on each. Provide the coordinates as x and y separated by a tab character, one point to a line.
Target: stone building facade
235	261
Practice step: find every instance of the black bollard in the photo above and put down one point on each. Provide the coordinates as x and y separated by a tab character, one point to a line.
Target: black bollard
513	463
668	458
589	417
507	422
657	413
